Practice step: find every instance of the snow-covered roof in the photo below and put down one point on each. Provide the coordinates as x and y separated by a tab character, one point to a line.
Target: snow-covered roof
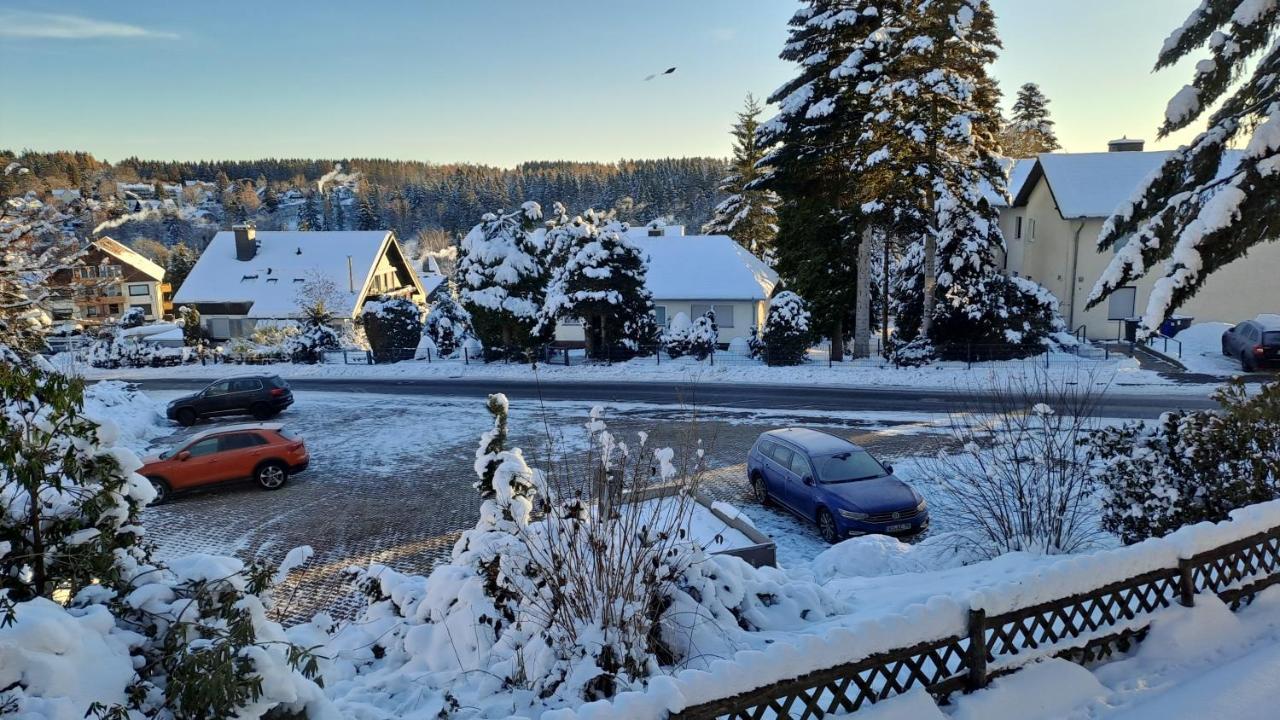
129	257
285	259
704	267
430	280
1018	171
1093	185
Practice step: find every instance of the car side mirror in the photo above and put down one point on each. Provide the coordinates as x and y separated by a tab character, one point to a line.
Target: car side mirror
888	469
183	456
807	479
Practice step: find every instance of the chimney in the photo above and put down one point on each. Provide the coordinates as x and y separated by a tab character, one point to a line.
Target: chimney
1124	144
246	241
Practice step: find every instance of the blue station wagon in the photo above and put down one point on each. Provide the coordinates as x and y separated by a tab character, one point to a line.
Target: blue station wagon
834	483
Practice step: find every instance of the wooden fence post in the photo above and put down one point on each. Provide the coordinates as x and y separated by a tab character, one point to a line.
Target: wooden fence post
977	651
1186	583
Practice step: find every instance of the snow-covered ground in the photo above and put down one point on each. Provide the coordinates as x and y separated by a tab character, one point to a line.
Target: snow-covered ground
1200	662
1202	350
1117	372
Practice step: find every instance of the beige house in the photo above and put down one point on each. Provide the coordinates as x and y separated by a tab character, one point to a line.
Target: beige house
107	281
245	277
692	274
1059	204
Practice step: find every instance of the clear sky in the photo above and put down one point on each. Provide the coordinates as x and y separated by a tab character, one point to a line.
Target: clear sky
494	81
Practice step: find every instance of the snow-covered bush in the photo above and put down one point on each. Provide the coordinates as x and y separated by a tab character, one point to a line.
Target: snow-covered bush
448	326
100	628
111	349
193	332
1020	480
755	344
1189	467
132	318
393	327
786	335
587	599
696	339
502	280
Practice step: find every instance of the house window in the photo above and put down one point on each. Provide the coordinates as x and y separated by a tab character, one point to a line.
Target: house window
63	313
113	308
1017	228
1031	223
92	311
146	309
724	313
136	290
660	315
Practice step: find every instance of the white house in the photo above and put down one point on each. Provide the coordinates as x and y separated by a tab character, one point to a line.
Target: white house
691	274
244	277
1059	204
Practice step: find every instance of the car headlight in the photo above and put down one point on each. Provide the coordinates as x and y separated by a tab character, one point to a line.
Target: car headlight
922	505
854	515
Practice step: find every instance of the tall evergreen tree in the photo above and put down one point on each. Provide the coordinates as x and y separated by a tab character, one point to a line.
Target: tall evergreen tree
328	221
309	216
367	215
1029	131
746	214
502	280
1204	209
936	121
270	201
339	212
181	260
812	139
599	277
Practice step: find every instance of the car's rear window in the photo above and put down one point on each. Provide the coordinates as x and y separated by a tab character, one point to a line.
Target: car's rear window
1271	338
279	382
288	434
847	466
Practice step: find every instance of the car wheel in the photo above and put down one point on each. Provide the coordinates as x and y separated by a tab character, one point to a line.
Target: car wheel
186	417
261	411
759	492
271	476
162	490
827	526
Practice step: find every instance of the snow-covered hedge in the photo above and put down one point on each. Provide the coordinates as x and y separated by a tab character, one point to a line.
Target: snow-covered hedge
393	327
1189	466
447	327
696	339
786	335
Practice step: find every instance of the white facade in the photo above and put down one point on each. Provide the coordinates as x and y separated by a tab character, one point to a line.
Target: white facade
1052	228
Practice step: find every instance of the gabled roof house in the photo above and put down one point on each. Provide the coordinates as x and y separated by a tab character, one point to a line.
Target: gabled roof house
1060	202
691	274
244	277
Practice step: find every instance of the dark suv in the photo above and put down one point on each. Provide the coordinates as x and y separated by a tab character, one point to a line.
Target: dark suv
1254	343
262	396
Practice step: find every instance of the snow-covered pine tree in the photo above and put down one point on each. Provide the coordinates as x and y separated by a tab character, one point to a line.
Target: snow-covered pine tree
786	334
597	275
1029	130
746	214
309	216
181	260
502	280
813	141
935	122
367	217
1204	209
704	335
447	325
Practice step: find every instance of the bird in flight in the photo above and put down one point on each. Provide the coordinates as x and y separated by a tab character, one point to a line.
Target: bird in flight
668	71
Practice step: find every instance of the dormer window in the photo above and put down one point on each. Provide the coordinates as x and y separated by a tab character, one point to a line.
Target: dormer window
247	278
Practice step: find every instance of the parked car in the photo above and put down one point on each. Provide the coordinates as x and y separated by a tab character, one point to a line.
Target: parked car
834	483
1255	343
262	396
265	452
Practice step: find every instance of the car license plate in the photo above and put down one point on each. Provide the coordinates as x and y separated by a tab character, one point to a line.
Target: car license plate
899	527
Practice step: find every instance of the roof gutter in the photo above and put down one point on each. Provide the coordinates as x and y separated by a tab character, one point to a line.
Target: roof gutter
1075	266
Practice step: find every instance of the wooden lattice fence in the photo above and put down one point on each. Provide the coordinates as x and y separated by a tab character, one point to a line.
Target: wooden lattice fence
1084	628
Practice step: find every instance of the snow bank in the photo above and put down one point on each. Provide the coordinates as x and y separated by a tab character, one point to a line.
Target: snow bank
56	663
1047	689
916	704
128	416
880	555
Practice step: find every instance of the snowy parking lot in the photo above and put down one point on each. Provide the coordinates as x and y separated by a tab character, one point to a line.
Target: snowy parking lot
391	479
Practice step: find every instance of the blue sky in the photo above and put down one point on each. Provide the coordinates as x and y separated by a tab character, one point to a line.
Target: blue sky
494	81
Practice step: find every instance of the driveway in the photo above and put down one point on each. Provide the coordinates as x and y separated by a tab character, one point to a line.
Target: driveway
391	474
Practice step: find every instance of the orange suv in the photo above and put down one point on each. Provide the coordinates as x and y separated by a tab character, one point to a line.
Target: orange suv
266	452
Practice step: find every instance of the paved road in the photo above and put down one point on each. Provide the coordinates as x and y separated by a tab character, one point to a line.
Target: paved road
1118	402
